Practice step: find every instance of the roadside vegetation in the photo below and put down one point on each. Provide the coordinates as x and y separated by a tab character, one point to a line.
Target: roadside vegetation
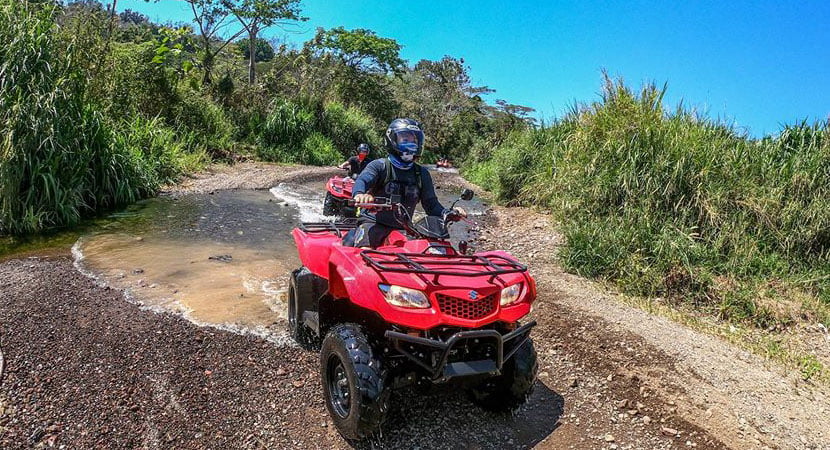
99	108
668	203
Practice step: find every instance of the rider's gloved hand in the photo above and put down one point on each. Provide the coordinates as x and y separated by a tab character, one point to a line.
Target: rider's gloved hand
364	198
455	214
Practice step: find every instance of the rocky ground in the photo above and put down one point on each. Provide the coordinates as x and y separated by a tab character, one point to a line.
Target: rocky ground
84	368
248	175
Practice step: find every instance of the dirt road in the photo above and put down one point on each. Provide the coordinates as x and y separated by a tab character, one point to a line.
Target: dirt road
87	368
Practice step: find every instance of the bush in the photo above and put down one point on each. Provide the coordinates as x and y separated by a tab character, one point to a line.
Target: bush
348	127
287	126
160	152
308	131
143	88
202	121
318	150
138	85
666	202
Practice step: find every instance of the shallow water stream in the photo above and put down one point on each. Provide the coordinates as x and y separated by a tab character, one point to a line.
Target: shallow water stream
222	259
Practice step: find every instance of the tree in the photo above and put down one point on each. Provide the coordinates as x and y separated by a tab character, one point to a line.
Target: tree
211	17
264	50
135	27
517	111
363	64
360	49
256	15
441	95
133	17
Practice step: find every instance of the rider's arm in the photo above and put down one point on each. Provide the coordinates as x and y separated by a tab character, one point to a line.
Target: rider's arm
345	165
369	177
429	200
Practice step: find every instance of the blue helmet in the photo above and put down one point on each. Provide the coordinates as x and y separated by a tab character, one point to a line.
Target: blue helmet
404	140
363	148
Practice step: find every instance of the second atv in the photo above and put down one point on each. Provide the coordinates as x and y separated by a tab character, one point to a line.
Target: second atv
414	311
338	194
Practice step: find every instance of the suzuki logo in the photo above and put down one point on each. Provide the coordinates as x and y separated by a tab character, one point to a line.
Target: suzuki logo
473	295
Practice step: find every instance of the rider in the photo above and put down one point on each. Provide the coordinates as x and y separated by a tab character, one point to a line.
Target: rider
356	164
400	178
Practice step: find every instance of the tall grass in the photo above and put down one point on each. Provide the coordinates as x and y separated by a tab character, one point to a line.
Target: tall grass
287	126
60	158
47	130
667	203
348	127
200	121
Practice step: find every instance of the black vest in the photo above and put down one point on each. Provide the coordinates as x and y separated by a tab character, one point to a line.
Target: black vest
406	190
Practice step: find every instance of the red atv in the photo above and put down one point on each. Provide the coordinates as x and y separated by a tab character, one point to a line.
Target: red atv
338	194
444	163
414	311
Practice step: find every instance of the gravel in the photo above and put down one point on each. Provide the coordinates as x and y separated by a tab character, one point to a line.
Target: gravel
86	368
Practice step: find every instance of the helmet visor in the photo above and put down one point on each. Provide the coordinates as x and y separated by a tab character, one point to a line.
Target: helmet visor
407	137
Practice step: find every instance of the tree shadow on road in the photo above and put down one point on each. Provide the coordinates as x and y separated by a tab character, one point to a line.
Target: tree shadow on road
446	418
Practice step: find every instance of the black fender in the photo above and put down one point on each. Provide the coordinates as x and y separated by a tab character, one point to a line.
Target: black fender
309	289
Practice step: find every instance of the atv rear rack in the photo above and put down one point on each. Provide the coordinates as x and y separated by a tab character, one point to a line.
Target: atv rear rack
342	227
439	264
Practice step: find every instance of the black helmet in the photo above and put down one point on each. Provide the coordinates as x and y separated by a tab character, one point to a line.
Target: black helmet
363	148
404	139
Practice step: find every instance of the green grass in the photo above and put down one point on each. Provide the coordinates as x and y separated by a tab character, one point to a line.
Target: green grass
668	203
810	367
60	158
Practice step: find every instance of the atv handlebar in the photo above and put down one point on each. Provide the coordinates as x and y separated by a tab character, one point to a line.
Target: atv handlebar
387	203
403	217
379	203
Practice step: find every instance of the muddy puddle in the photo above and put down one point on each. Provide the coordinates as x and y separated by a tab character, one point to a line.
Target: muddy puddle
218	259
221	260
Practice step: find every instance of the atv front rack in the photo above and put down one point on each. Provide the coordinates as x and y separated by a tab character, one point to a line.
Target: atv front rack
433	355
439	264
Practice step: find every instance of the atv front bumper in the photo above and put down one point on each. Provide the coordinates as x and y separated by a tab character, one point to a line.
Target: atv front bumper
434	355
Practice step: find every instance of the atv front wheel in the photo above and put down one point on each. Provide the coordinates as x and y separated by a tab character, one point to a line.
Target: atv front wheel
511	389
353	382
331	205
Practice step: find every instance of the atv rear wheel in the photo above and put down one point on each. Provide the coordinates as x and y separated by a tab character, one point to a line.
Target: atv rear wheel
511	389
353	382
331	205
303	290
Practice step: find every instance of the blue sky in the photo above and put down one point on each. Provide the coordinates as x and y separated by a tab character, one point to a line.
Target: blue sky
755	64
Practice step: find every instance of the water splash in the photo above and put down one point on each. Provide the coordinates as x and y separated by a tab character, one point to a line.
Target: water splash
307	200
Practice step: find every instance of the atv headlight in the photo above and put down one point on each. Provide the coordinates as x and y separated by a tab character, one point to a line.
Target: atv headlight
510	294
404	297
